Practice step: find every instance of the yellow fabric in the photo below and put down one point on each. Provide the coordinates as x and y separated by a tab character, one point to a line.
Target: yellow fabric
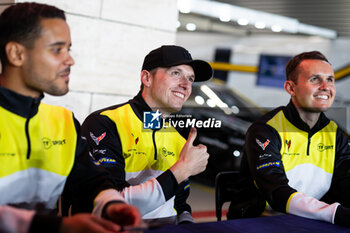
295	144
137	143
53	143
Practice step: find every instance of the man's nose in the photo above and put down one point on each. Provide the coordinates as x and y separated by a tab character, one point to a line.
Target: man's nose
185	83
325	85
69	61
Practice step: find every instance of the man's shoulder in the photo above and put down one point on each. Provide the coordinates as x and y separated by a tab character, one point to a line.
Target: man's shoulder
104	116
268	116
261	126
184	132
99	112
56	115
44	107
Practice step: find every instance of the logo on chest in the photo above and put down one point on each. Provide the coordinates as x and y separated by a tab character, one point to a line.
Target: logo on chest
322	147
48	143
286	151
288	143
136	138
165	152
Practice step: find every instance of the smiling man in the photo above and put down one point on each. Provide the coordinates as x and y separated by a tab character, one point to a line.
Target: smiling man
299	159
151	166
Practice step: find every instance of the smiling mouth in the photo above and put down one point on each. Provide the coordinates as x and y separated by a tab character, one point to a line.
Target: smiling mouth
182	96
324	97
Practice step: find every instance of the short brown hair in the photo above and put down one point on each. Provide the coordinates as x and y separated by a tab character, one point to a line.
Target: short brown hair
291	67
21	23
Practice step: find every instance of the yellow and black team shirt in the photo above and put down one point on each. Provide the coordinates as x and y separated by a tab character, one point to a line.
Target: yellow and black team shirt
36	152
285	157
41	149
135	155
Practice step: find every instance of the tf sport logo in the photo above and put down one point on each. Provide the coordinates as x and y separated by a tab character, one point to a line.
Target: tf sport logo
151	120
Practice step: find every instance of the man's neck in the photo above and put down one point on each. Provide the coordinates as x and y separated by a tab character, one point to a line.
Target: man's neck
11	80
309	117
150	103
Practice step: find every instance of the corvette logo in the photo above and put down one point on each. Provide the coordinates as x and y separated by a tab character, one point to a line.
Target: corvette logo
263	145
97	139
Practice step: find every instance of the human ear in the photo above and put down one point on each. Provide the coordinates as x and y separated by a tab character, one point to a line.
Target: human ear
146	78
15	53
289	86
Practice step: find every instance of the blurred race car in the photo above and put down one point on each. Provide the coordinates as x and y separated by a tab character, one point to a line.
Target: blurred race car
227	116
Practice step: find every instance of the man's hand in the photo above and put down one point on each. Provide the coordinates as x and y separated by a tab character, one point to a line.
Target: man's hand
87	223
192	160
123	214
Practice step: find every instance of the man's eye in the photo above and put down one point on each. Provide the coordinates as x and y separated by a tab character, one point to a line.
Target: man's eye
314	79
57	50
330	80
176	73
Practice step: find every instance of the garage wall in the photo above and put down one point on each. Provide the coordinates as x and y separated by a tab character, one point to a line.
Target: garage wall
110	38
246	51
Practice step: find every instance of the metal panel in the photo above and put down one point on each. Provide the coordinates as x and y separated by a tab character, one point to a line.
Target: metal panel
333	14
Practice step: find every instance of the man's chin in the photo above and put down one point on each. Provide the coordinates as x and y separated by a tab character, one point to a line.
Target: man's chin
323	109
58	92
174	110
317	109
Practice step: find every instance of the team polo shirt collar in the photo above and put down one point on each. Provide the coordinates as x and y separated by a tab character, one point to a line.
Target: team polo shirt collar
293	116
139	105
24	106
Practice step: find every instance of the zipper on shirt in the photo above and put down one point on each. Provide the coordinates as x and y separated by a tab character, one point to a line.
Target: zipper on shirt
33	111
308	145
28	139
154	144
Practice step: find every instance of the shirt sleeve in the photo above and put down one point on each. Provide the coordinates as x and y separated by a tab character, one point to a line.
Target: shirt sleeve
106	151
86	181
183	209
262	152
340	187
22	221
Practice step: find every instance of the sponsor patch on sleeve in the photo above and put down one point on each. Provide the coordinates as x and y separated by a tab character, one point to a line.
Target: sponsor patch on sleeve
264	156
269	164
263	145
105	160
97	139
